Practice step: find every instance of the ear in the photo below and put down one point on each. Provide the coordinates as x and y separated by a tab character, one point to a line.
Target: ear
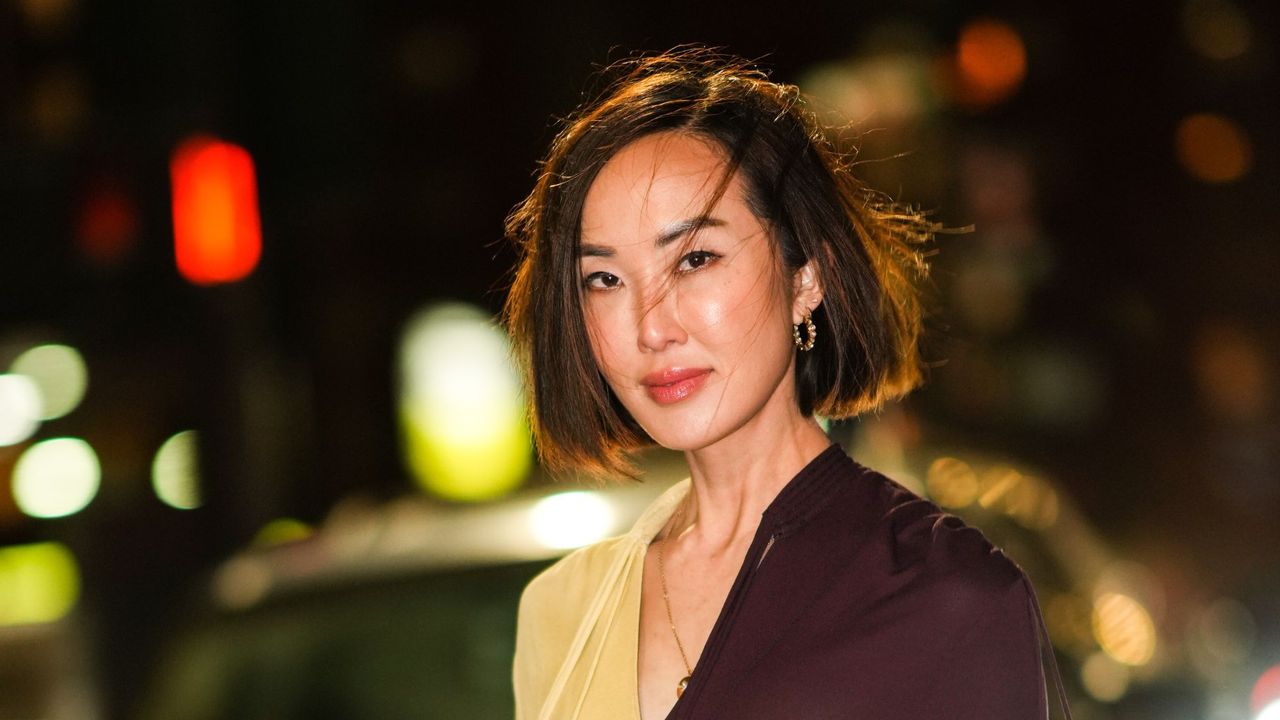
806	292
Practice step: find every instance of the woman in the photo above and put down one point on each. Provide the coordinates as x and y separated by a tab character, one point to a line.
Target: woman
701	271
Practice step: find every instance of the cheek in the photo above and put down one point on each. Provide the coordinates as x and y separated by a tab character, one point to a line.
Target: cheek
601	333
741	310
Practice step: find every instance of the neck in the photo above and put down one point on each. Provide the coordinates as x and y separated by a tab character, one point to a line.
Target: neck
736	479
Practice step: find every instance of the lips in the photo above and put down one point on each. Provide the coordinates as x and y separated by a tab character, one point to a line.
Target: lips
674	384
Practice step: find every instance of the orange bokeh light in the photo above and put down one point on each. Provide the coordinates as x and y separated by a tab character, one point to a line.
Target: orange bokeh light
216	228
1213	149
991	62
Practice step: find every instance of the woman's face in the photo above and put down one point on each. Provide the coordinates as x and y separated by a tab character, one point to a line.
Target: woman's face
687	307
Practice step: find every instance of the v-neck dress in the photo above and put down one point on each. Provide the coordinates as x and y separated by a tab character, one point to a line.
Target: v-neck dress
871	604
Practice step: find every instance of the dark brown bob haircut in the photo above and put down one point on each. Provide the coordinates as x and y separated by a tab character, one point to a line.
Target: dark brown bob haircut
867	250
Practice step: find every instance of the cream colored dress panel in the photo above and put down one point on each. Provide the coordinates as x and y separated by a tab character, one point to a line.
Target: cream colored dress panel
579	625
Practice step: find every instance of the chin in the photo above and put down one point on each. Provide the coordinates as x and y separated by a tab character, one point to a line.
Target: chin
681	439
680	445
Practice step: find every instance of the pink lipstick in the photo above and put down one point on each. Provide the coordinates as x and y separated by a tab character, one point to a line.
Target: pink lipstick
674	384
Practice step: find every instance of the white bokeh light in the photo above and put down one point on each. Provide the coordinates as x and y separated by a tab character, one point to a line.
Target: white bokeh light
571	519
1270	712
19	408
175	472
56	477
60	374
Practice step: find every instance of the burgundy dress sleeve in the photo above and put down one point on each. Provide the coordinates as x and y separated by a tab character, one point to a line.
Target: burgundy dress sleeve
984	653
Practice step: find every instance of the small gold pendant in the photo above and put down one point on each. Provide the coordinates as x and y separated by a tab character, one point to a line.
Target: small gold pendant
680	686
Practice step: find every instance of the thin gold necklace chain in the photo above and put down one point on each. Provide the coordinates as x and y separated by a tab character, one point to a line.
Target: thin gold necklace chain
666	601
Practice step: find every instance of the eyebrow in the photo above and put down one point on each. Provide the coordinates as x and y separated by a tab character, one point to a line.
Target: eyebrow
673	232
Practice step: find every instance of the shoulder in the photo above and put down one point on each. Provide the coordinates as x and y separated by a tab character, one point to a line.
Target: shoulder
568	585
552	608
942	555
574	580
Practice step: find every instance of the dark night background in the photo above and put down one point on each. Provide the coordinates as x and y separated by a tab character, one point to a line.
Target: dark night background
1111	319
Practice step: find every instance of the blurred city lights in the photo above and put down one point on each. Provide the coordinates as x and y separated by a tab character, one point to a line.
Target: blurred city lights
19	408
952	483
889	88
1036	507
1059	385
1124	629
241	582
39	583
990	291
1104	678
281	531
57	477
1069	620
216	229
175	471
1265	696
1134	580
47	17
1030	501
462	414
58	104
1221	637
107	226
991	62
571	519
60	375
1217	29
997	482
1270	712
1213	148
1233	372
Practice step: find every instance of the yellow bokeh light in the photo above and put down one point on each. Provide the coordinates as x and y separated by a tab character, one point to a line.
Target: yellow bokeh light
56	477
1068	618
39	583
1217	29
19	408
1124	629
282	530
1213	149
60	374
952	483
1032	503
175	471
998	483
462	414
1028	499
571	519
1104	678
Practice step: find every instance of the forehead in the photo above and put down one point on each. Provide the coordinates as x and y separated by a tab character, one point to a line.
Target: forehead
658	179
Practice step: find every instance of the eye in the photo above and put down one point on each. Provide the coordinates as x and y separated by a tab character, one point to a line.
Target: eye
697	260
601	281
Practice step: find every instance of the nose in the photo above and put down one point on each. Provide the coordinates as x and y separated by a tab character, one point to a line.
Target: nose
658	322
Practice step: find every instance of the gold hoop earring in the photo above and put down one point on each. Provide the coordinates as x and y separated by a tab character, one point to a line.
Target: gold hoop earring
811	331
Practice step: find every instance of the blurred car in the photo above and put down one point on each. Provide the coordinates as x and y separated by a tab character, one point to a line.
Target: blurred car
402	611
